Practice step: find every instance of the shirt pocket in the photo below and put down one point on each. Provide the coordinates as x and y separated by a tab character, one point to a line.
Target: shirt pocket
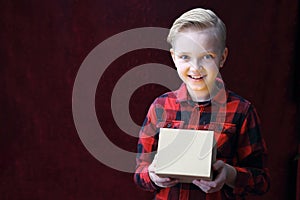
225	137
175	124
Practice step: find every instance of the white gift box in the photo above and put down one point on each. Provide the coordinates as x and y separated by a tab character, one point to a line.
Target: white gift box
185	154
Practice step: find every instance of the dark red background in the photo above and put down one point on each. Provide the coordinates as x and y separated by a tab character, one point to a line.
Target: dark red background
43	44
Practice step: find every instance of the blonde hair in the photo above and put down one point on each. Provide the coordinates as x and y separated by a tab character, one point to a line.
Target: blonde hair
200	19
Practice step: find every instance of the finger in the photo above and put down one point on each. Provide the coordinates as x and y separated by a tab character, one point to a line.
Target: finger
163	180
196	182
152	166
167	184
221	177
215	185
159	179
204	188
209	183
154	177
218	165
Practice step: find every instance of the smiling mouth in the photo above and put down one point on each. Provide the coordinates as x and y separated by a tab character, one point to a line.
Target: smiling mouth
196	77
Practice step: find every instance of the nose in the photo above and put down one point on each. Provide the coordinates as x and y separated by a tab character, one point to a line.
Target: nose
196	65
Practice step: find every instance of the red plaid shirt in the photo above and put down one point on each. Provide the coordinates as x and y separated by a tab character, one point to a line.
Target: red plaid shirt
239	142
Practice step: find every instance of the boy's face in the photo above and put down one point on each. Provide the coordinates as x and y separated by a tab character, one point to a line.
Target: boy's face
198	55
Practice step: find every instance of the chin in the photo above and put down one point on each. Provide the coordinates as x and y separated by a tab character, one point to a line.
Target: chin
197	86
198	89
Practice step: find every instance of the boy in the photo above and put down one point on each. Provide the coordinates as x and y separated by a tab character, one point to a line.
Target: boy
198	50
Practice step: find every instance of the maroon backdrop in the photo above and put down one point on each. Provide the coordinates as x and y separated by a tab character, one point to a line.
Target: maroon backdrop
43	44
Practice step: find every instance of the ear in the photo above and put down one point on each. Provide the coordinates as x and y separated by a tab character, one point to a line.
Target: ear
223	57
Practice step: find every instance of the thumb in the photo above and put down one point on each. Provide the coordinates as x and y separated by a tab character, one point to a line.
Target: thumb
153	164
218	165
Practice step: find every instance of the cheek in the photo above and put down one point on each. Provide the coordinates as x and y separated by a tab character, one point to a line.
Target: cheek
179	71
182	66
182	69
213	70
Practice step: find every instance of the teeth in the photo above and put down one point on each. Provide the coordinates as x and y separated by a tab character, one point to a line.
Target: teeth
196	77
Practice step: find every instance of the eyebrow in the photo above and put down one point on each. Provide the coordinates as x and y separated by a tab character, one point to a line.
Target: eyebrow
182	52
202	54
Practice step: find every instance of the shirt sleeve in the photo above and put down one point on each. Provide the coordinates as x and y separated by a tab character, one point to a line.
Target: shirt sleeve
147	145
252	172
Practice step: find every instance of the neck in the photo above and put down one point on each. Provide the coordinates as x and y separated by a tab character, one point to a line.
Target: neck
199	96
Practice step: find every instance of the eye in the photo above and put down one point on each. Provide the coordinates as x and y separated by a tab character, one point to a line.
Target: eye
184	57
208	56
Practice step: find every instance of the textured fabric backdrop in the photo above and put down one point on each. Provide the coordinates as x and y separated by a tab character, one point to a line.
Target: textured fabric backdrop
43	44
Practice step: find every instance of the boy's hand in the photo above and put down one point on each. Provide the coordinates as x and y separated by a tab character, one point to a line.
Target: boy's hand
226	175
161	182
